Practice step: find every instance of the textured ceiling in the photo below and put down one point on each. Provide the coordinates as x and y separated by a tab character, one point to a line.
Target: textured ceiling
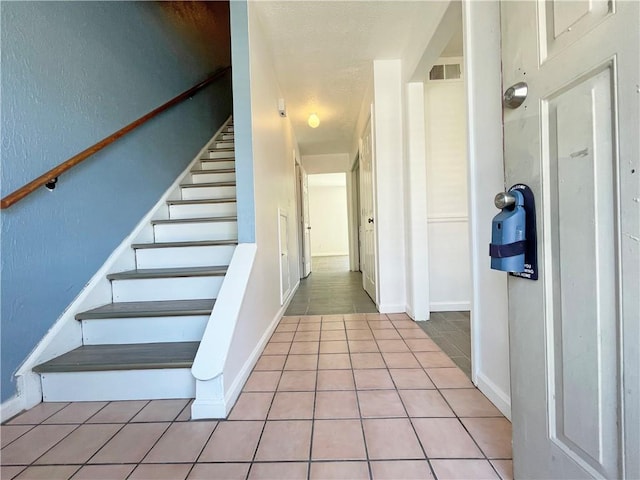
323	53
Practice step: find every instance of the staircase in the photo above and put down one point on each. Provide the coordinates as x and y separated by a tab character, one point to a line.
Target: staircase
143	344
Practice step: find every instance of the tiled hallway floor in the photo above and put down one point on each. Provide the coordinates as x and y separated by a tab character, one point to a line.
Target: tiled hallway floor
333	397
452	333
331	289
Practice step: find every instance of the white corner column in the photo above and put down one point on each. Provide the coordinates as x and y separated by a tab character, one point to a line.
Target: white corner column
388	180
415	198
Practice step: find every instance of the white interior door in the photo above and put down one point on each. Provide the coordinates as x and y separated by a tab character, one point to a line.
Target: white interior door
574	333
367	255
304	222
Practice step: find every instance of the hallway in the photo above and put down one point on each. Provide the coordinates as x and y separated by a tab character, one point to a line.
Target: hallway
331	289
359	396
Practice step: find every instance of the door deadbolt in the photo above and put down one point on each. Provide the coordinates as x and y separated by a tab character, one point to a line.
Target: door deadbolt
515	95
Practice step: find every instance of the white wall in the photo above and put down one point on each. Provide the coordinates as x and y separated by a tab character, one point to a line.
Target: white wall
274	189
328	163
448	232
328	212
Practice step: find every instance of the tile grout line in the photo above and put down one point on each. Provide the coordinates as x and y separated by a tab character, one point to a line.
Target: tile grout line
355	388
204	445
266	419
413	428
409	418
315	403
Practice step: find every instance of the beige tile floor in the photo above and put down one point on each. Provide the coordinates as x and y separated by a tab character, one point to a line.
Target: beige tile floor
358	396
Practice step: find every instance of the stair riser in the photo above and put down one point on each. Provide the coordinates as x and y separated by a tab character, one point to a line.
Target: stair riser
221	154
214	177
186	232
227	136
229	129
144	330
213	255
208	193
219	144
177	288
202	210
118	385
223	164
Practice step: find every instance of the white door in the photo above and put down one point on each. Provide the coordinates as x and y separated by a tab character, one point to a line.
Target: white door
304	222
574	334
367	219
285	276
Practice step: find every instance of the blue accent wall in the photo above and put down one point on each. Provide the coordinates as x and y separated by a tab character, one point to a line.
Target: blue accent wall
73	73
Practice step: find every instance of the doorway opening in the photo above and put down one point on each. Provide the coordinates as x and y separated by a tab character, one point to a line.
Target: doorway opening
329	218
331	287
448	248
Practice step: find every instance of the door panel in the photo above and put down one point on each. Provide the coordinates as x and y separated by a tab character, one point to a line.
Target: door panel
574	141
583	251
565	22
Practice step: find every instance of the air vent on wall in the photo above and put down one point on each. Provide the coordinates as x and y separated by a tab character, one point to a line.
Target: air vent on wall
448	71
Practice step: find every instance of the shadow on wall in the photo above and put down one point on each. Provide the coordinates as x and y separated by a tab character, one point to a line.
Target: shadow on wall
72	74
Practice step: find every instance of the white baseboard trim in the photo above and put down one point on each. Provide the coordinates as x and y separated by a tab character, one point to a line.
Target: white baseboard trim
330	254
390	308
206	409
500	399
221	406
233	393
415	317
409	311
450	306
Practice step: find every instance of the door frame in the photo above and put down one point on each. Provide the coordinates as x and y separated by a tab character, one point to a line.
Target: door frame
353	207
300	205
369	125
490	356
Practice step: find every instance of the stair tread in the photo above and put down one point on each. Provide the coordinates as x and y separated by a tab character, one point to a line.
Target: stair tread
202	200
207	184
193	220
230	158
199	243
223	159
209	171
139	356
164	308
168	272
214	149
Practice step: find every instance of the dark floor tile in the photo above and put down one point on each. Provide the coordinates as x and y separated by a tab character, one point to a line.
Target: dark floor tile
451	332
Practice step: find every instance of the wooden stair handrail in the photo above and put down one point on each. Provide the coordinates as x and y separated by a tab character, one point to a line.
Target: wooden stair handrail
47	177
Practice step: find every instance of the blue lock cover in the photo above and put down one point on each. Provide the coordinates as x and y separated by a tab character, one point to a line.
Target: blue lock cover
508	237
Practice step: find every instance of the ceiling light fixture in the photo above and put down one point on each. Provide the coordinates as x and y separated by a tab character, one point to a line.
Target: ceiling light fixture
313	120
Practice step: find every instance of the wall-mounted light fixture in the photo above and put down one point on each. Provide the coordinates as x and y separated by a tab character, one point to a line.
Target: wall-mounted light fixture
313	120
282	108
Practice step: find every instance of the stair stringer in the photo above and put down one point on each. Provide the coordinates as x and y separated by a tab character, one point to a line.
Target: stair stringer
66	332
216	393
